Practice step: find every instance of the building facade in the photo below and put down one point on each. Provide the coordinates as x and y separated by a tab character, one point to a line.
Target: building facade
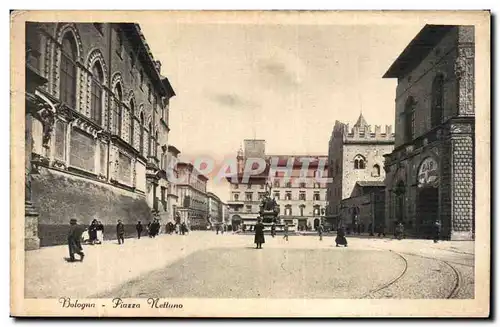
170	161
300	193
193	199
214	209
356	155
99	127
430	173
364	210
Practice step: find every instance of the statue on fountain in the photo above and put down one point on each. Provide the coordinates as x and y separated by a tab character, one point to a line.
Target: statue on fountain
269	208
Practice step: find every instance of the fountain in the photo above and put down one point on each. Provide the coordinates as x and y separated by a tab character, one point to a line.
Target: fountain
269	211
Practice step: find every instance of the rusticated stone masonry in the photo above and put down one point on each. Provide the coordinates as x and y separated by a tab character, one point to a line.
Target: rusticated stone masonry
463	184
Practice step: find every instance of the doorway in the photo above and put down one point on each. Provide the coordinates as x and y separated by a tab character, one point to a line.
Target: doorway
427	210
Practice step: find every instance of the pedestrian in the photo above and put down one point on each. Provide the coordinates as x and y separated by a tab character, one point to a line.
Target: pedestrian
320	232
437	230
340	239
100	232
93	232
120	232
259	234
75	240
381	230
139	228
217	228
285	229
183	228
399	231
273	230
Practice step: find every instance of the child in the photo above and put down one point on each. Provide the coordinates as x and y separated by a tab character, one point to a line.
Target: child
285	236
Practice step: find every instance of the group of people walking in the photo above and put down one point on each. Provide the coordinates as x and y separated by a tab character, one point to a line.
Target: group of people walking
96	232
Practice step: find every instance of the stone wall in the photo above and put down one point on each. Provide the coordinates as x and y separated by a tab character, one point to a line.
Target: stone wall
60	197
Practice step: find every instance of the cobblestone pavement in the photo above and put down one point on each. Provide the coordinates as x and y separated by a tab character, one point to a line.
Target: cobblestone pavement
203	264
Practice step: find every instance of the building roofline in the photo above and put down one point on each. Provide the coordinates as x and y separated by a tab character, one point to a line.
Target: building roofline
417	49
173	149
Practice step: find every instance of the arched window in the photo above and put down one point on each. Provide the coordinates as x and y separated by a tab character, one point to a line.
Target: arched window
96	93
359	162
150	139
118	114
141	139
67	86
156	144
409	119
131	125
437	100
376	170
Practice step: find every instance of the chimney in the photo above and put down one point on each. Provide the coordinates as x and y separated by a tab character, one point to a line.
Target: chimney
157	64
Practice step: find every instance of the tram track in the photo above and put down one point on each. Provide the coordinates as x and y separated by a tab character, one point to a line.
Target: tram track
457	283
392	281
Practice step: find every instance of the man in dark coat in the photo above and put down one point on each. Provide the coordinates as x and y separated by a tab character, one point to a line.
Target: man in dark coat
75	240
139	228
437	230
259	234
340	239
120	232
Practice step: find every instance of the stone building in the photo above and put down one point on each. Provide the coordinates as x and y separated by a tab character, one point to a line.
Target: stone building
214	209
193	200
354	156
364	210
301	196
172	157
97	126
430	173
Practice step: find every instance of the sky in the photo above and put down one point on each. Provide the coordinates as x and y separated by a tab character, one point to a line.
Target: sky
287	84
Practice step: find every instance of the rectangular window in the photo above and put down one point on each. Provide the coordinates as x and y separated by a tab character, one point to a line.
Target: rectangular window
82	151
316	196
302	185
68	82
302	196
124	168
249	208
277	195
288	196
60	140
117	118
288	184
103	158
248	196
96	103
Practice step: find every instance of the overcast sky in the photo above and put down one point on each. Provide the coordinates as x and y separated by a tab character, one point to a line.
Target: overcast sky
286	84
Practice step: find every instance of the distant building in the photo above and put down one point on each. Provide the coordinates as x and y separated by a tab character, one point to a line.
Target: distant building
364	210
193	200
430	173
97	124
302	199
172	202
354	156
214	209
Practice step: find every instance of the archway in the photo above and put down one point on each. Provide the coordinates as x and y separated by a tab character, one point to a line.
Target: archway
427	210
427	206
316	223
399	193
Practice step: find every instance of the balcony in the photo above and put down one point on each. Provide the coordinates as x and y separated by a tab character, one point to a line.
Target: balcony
235	202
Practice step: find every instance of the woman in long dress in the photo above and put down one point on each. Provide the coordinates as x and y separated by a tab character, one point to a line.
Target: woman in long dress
340	239
259	234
